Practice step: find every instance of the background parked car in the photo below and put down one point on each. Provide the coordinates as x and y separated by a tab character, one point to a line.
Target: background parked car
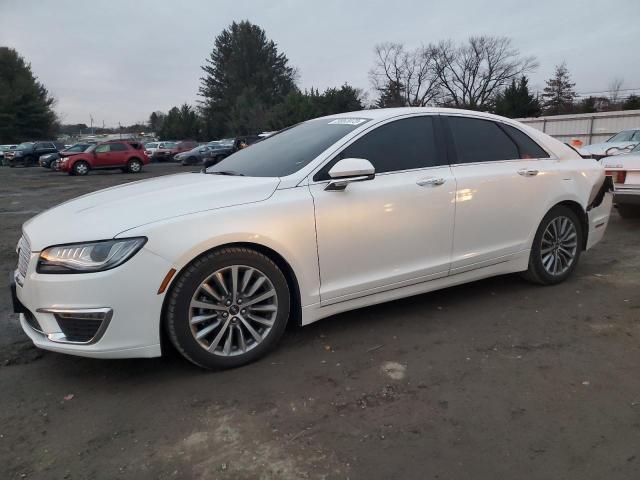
48	160
128	156
228	146
28	153
625	172
166	151
194	156
5	148
625	140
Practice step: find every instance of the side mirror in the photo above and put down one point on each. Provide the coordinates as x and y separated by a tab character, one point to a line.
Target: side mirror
349	170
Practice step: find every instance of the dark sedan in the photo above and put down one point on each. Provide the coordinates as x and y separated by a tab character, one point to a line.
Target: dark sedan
48	160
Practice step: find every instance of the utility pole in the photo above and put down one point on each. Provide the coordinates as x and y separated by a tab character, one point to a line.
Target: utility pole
91	117
120	130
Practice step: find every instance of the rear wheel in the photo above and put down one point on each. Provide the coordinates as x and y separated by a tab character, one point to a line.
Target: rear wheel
629	211
134	166
80	168
228	308
556	247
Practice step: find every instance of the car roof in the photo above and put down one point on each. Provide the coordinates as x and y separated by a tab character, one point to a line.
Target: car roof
384	113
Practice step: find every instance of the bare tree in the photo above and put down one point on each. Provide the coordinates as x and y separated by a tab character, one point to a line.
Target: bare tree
471	74
410	73
614	89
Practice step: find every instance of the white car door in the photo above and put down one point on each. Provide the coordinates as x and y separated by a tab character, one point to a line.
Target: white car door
395	229
502	178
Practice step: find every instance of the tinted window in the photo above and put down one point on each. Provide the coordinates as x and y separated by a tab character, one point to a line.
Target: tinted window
289	150
44	145
527	147
118	147
102	148
481	141
401	145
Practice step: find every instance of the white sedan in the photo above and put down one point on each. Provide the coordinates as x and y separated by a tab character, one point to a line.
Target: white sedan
330	215
621	142
625	172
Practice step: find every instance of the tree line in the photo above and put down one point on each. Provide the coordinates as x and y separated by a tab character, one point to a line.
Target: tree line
249	86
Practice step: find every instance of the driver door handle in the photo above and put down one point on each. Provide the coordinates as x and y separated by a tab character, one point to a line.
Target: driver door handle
528	172
430	182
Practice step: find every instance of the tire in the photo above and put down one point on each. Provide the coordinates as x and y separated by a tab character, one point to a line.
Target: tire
629	211
267	317
552	260
134	166
80	168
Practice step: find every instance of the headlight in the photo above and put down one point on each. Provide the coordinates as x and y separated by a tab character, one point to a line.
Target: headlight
88	257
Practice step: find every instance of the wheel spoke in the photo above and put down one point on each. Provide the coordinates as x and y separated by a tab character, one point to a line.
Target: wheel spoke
256	285
245	279
227	344
242	344
263	308
216	341
207	306
234	283
221	283
260	298
210	291
202	318
251	330
262	321
207	330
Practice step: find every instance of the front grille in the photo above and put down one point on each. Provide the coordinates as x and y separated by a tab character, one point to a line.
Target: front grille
78	330
24	253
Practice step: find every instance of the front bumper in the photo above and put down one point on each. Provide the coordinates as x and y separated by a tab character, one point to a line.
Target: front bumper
126	295
598	216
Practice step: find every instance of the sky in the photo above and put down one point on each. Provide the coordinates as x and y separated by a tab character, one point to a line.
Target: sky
119	60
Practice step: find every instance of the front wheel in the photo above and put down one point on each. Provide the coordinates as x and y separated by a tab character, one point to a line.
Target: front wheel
228	308
556	247
134	166
80	168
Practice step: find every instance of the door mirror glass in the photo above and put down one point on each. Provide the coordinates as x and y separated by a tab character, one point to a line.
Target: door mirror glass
352	167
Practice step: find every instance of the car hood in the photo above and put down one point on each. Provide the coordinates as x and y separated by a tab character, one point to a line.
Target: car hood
106	213
601	148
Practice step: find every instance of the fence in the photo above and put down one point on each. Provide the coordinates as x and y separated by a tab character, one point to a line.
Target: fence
587	127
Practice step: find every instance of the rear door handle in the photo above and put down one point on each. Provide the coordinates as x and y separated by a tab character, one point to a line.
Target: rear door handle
430	182
528	172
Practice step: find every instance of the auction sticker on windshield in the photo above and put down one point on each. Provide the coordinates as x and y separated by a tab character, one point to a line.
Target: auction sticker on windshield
348	121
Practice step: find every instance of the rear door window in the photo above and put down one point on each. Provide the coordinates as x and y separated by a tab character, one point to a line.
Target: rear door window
478	140
526	146
118	147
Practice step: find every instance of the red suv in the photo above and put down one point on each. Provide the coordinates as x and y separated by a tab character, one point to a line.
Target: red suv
129	156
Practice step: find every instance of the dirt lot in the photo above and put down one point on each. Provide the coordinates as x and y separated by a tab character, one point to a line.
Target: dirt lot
497	379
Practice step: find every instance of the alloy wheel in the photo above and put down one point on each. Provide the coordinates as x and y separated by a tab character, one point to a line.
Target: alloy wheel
233	310
559	245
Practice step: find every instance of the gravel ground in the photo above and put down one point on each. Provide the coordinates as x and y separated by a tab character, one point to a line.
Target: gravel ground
495	379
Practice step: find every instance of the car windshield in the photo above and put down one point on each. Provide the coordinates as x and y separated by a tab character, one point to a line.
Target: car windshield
289	150
169	145
25	146
151	145
78	147
225	142
625	136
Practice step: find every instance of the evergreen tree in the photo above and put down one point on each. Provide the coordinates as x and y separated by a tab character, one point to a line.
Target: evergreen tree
180	124
558	95
631	103
516	101
244	68
26	108
156	119
391	96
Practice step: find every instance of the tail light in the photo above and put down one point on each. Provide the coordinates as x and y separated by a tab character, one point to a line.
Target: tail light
618	176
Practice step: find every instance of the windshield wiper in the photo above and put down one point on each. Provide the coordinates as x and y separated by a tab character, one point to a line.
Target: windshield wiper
227	172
